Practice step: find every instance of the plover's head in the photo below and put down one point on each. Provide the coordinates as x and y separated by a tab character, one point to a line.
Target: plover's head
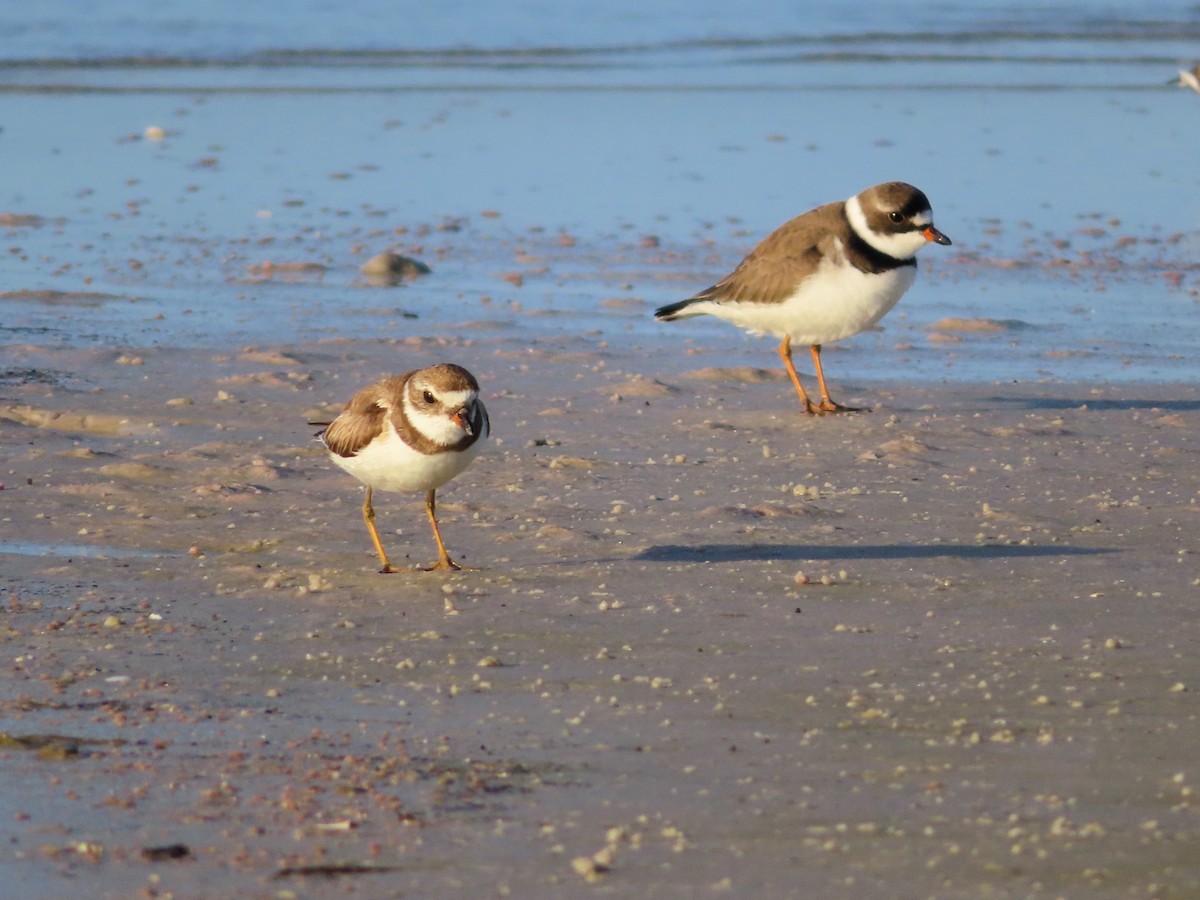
895	218
442	402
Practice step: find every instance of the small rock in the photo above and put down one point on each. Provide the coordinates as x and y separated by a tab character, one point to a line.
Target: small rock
393	267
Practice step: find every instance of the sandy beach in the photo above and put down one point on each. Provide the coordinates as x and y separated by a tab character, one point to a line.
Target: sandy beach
710	646
707	646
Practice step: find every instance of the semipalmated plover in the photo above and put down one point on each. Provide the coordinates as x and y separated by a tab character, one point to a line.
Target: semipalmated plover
411	432
823	276
1189	78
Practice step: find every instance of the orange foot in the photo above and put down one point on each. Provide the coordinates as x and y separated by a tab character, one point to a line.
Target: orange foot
828	408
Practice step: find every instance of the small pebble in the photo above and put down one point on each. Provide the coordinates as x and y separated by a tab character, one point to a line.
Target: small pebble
395	267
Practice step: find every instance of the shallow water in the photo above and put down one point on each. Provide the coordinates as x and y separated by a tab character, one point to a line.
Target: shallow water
525	145
577	35
42	548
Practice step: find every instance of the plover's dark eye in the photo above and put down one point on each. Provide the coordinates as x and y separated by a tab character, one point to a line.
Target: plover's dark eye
896	217
428	397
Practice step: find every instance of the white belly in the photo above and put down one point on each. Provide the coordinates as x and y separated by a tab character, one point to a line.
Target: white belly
391	465
834	303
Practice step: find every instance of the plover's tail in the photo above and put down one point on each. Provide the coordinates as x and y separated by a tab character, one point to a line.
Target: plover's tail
673	311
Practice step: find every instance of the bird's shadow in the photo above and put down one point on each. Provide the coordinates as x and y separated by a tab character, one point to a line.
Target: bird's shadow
722	553
1094	403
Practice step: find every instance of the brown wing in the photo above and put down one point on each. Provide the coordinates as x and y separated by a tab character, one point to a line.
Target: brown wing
784	258
362	419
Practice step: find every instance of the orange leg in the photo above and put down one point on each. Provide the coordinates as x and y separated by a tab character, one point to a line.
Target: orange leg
368	512
785	353
827	405
444	560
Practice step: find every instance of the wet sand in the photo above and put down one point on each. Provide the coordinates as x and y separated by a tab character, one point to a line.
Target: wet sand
944	648
947	648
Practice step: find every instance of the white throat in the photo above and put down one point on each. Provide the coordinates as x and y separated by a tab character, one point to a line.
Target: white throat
898	246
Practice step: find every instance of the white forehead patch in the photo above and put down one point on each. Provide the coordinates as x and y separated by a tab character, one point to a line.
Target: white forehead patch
455	399
448	399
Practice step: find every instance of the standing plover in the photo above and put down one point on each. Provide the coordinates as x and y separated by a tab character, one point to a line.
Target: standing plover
411	432
823	276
